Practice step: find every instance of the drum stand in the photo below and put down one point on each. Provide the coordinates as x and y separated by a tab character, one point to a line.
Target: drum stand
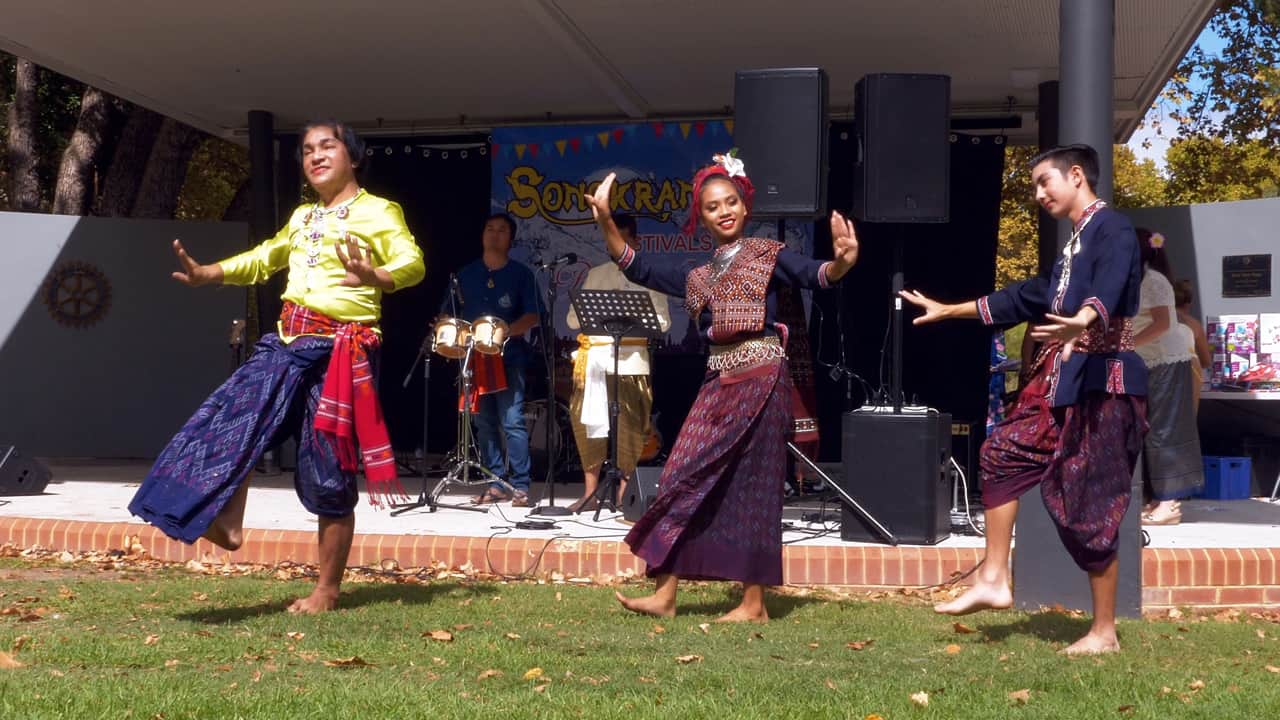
462	460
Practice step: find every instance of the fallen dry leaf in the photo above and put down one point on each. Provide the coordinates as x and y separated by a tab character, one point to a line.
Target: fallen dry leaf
704	627
859	644
439	635
1196	685
172	663
814	645
199	596
1273	669
1262	634
151	640
648	680
533	673
559	596
1125	709
686	659
962	628
830	685
353	661
57	673
1174	613
19	642
7	662
921	699
463	626
1021	697
873	716
295	635
541	688
489	674
954	649
512	636
659	629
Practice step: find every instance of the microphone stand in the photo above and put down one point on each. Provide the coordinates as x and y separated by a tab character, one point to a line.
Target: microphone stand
547	321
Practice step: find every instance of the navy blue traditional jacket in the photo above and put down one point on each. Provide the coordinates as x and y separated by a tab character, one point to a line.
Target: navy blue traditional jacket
1101	268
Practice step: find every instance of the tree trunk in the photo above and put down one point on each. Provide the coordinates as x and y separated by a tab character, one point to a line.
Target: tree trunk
24	178
75	187
166	169
238	209
128	163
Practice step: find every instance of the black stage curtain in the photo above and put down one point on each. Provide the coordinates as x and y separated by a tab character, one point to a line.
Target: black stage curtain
945	366
443	185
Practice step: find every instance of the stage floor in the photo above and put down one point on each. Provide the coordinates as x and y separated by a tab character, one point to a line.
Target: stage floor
1224	552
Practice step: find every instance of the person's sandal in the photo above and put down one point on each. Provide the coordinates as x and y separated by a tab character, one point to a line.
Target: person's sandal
520	499
491	496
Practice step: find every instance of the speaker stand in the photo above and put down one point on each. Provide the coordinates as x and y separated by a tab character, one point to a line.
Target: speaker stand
895	359
871	519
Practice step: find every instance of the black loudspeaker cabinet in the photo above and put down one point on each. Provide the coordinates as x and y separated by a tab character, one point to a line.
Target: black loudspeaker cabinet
21	475
895	467
780	130
902	124
640	492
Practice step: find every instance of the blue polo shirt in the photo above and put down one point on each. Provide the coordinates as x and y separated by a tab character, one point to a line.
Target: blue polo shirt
509	292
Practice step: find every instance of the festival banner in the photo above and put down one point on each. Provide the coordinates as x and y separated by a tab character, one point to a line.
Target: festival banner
542	176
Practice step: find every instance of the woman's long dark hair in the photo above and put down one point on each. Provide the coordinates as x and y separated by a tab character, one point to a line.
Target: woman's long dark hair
1154	257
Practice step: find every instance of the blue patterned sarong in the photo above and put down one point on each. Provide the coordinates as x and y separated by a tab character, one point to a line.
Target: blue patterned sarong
259	406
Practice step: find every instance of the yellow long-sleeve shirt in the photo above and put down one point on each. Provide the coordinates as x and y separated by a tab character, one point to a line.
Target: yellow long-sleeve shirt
307	246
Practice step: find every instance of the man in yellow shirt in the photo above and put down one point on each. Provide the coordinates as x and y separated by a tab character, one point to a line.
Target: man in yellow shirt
315	374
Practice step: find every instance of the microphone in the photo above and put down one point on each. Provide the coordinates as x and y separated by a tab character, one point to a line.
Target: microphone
457	290
566	259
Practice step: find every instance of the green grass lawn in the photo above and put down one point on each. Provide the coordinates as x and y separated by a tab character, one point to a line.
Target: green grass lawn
166	643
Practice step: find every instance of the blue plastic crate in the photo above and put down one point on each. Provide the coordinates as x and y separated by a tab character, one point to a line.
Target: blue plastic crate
1226	478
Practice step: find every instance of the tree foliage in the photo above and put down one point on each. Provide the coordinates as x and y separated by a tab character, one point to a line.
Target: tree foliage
1233	95
1137	183
1212	169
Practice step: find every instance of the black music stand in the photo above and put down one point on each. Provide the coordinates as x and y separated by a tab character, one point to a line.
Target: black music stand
618	314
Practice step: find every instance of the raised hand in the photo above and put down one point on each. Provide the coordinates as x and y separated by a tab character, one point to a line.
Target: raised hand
599	201
844	242
358	263
600	210
1065	330
193	274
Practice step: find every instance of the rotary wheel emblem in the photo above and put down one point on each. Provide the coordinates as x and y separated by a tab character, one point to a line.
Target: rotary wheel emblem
77	294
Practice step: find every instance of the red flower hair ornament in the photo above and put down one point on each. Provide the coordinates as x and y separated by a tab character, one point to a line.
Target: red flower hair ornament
725	166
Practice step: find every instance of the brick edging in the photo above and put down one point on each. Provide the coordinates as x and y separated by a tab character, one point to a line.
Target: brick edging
1196	577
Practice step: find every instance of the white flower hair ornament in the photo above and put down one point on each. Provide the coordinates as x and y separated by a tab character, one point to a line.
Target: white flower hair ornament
1157	240
730	162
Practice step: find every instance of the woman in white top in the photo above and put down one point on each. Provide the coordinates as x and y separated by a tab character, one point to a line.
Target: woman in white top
1171	453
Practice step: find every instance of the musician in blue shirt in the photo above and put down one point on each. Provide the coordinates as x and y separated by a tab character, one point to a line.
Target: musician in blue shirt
498	286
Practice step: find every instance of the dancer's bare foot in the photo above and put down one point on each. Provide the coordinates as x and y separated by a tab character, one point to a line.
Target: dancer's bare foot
227	529
982	596
648	605
747	615
1095	643
227	538
320	600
